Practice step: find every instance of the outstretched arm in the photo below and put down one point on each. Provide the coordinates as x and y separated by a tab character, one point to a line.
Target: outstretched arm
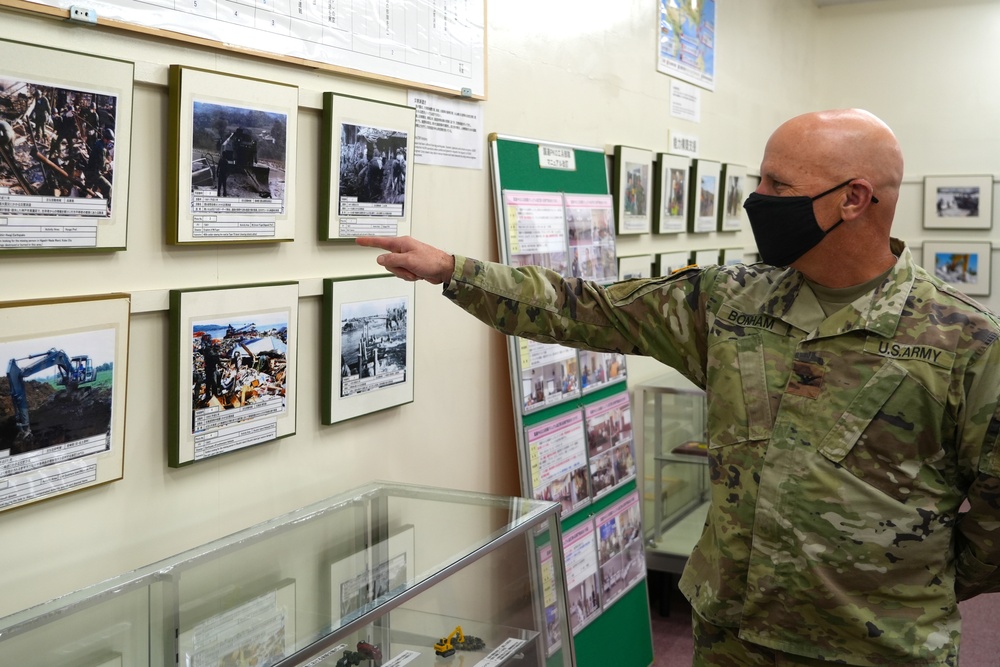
410	259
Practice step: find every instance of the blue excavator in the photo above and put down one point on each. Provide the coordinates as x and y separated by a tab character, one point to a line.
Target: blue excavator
73	372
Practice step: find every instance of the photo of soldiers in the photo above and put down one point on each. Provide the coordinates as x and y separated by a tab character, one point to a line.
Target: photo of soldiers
372	171
237	153
56	142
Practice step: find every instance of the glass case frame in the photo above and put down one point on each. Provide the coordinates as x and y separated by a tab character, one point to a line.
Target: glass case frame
672	413
426	560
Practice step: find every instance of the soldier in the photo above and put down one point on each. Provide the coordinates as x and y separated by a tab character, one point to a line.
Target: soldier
852	400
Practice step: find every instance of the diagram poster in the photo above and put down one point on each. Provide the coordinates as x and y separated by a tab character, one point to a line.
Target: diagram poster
687	41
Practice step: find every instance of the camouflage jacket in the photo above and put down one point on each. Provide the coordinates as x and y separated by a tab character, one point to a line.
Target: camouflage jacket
841	448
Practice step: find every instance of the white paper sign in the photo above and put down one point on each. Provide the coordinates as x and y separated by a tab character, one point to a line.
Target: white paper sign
449	131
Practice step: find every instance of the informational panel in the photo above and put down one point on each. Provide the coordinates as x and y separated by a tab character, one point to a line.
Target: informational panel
553	209
433	44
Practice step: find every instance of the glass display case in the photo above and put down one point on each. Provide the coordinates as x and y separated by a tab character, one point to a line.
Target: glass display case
386	574
672	412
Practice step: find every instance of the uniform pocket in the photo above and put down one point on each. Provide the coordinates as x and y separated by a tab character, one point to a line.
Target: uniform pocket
739	409
861	411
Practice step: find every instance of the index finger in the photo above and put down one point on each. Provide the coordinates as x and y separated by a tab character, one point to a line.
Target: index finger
390	243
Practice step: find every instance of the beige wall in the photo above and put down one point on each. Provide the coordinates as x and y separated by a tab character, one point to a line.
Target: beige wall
559	70
927	69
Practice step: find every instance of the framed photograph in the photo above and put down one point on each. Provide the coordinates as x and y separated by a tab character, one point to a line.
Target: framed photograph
633	168
635	266
258	631
670	196
384	569
730	256
958	202
366	168
65	128
965	265
232	368
734	192
232	161
706	257
367	345
668	262
704	196
62	411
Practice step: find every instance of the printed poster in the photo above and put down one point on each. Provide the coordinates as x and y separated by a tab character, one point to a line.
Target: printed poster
687	41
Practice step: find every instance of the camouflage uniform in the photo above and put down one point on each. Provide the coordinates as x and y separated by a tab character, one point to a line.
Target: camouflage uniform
841	448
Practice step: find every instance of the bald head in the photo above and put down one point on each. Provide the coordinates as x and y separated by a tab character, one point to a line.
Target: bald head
810	155
837	145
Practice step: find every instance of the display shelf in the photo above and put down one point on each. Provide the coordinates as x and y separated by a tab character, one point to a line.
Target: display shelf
394	567
672	414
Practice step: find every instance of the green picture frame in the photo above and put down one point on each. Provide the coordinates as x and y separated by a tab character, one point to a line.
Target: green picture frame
366	168
233	354
367	345
231	171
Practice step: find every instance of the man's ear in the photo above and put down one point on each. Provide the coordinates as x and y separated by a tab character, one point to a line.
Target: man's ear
859	196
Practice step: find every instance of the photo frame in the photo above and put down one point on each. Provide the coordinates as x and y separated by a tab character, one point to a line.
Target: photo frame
62	428
631	189
231	175
704	196
383	569
958	202
734	192
367	345
668	262
261	629
670	196
965	265
366	170
66	167
635	266
233	354
706	257
731	256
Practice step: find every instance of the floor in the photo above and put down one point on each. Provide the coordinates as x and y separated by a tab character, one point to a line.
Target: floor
672	646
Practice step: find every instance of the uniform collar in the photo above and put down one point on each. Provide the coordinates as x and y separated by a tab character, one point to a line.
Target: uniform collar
791	300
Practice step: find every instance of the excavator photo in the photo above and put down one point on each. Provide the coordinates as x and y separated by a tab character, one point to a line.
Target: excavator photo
73	372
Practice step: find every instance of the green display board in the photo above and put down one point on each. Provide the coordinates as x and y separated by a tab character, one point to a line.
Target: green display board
621	633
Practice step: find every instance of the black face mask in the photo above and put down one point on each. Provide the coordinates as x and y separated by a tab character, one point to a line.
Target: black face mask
785	227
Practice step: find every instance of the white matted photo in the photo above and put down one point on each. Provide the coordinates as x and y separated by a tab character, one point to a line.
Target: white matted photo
382	570
668	262
233	368
704	193
958	202
232	171
367	345
65	141
635	266
63	427
632	189
670	201
965	265
366	168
